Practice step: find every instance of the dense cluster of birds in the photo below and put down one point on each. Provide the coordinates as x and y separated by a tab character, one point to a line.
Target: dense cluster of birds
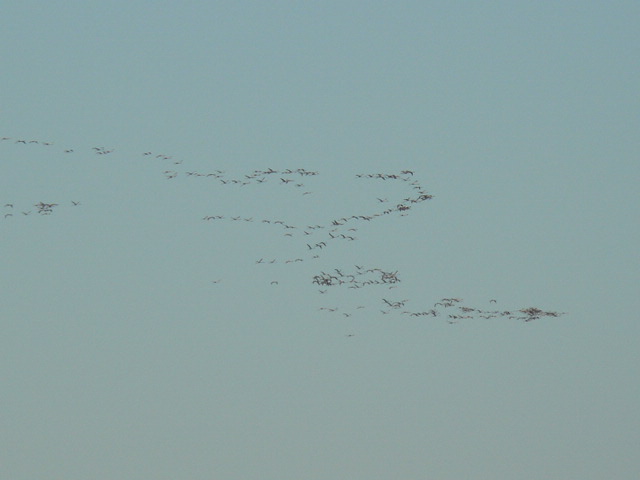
314	240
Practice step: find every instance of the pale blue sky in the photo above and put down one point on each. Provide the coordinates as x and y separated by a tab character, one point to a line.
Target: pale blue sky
120	356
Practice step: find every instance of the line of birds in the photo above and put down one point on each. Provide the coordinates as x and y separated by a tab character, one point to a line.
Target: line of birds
42	208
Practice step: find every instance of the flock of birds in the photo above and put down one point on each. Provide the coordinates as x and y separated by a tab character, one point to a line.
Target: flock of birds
313	240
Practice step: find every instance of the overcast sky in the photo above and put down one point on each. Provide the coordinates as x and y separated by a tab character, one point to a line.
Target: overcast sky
227	230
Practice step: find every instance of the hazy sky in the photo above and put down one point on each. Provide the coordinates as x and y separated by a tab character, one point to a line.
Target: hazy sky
140	341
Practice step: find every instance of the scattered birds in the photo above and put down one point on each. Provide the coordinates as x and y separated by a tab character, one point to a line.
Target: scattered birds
321	238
